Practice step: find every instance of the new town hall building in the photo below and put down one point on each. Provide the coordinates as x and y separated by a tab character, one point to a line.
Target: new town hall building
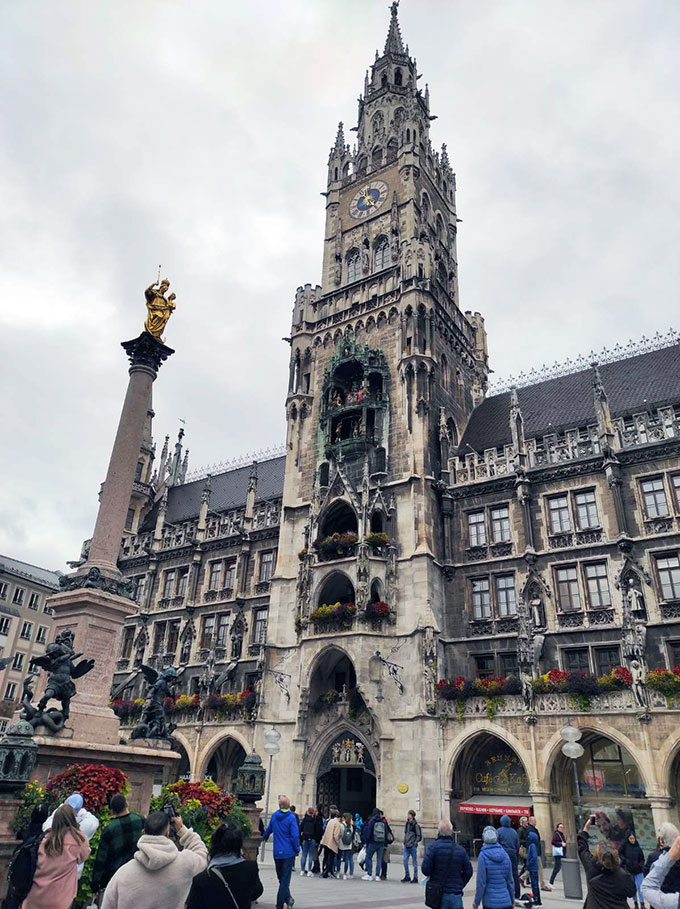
421	539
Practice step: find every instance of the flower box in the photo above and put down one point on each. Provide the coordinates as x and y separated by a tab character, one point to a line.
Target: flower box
340	614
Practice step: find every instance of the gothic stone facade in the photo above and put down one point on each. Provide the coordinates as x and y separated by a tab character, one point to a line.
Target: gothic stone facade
423	529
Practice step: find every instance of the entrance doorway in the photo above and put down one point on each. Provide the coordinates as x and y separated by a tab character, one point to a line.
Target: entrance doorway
346	777
224	763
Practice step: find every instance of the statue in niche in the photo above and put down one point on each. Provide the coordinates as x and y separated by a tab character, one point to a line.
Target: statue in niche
159	308
637	670
635	597
237	639
430	689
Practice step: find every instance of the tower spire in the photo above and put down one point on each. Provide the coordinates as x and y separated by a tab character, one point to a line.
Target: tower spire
340	140
394	44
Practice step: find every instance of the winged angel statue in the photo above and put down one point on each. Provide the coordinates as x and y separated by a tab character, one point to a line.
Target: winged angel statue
154	723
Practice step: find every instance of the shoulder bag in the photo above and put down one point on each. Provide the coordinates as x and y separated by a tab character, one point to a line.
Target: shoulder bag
434	892
221	877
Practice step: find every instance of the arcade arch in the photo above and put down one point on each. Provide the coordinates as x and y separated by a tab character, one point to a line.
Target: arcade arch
222	761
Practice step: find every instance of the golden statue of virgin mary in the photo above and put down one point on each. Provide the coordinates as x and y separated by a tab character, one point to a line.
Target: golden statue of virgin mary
159	308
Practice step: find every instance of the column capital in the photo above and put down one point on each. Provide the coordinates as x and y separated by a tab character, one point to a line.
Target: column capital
145	352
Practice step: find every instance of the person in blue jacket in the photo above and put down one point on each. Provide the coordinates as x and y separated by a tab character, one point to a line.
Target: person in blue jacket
447	863
509	840
532	865
495	884
283	824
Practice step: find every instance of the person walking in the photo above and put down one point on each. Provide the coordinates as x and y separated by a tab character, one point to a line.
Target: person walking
412	836
307	842
495	888
653	885
531	864
609	886
229	881
541	880
87	822
384	865
330	842
447	864
117	843
633	861
374	837
318	836
559	851
668	833
55	882
509	840
346	846
159	874
286	846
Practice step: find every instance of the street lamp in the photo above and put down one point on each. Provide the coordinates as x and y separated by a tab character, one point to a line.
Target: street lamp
271	746
571	872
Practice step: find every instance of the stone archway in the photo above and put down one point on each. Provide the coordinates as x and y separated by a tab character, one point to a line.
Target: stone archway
488	779
222	761
346	775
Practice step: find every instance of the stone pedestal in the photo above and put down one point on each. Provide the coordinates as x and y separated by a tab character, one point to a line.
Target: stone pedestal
95	618
251	844
8	842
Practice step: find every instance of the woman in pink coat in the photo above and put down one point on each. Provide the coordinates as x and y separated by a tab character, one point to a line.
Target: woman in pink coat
55	883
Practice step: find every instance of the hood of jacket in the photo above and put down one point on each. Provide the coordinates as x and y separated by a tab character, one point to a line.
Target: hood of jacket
532	837
494	852
505	820
155	852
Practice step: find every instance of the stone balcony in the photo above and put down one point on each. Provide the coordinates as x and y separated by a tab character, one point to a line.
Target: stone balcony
553	704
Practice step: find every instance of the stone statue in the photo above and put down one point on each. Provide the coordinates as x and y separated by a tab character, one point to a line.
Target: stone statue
58	662
159	308
528	693
359	752
634	595
154	724
637	670
430	689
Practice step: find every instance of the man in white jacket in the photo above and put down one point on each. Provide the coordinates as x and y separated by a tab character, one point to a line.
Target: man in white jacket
159	875
652	893
86	821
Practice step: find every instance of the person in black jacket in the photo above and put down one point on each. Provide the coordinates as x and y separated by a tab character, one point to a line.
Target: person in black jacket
447	863
609	886
229	880
633	860
318	836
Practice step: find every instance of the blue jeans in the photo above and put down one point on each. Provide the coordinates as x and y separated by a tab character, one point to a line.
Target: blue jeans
374	849
284	869
535	889
452	901
638	883
412	853
307	855
347	861
338	861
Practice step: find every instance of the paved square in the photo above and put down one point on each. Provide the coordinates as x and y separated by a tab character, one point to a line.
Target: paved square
313	893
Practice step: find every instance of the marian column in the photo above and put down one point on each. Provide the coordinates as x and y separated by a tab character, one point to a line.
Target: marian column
96	599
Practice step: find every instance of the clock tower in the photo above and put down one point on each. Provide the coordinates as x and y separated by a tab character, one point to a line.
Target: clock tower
385	370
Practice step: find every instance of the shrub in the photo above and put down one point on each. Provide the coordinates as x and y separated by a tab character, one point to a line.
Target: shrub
203	806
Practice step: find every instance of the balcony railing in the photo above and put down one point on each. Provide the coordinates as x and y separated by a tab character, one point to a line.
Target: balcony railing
556	703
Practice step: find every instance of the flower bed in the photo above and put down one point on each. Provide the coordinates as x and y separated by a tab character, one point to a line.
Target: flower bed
338	544
665	681
582	684
97	784
203	806
341	614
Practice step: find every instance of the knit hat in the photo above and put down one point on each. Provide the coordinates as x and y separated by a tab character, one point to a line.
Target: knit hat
489	835
75	801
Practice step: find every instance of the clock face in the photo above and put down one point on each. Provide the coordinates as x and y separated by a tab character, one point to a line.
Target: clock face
368	200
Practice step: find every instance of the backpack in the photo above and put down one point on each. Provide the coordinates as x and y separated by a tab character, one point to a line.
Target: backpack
379	832
22	870
356	841
347	835
308	827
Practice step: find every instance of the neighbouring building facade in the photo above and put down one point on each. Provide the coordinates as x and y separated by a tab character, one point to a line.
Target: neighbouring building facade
25	625
432	579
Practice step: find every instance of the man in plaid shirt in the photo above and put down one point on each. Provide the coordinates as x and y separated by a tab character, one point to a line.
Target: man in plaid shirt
117	844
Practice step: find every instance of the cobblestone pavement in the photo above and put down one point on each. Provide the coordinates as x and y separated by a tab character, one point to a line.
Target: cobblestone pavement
315	893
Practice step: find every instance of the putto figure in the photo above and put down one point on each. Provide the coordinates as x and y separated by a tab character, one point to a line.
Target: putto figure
59	663
154	724
159	308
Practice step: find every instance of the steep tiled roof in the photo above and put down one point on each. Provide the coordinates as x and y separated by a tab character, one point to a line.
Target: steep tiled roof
648	380
228	490
30	572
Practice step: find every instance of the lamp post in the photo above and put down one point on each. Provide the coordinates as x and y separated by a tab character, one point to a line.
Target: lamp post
571	870
272	737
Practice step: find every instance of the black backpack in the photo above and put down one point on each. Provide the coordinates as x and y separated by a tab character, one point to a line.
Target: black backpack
308	827
22	870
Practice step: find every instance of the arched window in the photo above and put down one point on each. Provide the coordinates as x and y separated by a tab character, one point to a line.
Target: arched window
398	77
361	166
383	80
445	373
345	170
442	276
425	207
376	157
382	253
353	265
439	227
408	136
336	174
392	148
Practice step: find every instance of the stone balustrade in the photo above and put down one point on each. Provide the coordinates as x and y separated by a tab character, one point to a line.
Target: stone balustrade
553	703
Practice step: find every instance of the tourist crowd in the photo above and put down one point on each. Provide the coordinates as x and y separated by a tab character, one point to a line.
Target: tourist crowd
144	863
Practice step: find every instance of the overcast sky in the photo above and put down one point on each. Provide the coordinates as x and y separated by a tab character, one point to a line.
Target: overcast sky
196	135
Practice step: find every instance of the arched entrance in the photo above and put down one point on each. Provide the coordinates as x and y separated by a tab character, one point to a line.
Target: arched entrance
183	769
489	780
346	776
611	787
224	763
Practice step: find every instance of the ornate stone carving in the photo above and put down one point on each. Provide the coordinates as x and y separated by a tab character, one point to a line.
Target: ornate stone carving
94	579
